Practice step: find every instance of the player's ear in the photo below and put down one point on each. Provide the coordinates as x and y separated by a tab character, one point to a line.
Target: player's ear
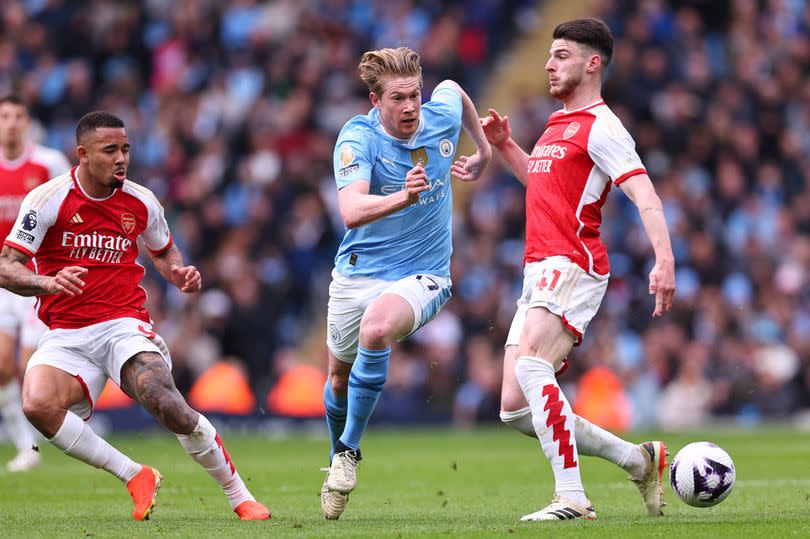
375	100
81	153
594	63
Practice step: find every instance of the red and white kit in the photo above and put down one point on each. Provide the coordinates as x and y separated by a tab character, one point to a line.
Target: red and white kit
62	226
571	169
18	177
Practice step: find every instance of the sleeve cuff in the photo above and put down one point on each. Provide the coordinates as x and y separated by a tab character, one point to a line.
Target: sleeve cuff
628	175
20	248
164	249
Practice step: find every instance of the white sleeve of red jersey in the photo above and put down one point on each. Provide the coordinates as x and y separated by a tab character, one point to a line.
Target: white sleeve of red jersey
156	235
38	213
54	160
612	148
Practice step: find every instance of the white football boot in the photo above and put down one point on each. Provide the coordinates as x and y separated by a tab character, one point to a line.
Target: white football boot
650	484
562	508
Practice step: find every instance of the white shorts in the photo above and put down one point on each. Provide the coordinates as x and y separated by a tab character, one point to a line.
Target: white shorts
349	297
563	288
18	318
95	353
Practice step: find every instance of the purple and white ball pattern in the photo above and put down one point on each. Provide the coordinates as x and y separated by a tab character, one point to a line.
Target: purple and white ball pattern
702	474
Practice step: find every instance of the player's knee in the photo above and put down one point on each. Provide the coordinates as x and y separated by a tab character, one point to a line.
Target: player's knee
340	383
376	334
39	411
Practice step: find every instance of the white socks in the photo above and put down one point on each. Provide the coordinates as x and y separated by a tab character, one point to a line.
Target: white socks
79	441
520	420
595	441
17	426
205	447
592	441
553	422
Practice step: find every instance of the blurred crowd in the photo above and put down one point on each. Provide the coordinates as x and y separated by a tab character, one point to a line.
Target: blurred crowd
233	108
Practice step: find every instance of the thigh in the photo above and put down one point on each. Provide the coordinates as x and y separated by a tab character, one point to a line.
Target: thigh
124	338
60	350
348	299
426	295
56	386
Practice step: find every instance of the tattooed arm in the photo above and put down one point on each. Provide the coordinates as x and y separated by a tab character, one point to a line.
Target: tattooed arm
662	277
170	265
15	277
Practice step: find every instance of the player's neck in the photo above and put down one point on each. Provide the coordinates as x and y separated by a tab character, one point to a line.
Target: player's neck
582	99
90	187
12	151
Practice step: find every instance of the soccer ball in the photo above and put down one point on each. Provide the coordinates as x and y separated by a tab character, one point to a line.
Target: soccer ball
702	474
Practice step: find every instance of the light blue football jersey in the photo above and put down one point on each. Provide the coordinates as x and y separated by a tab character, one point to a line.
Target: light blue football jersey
416	239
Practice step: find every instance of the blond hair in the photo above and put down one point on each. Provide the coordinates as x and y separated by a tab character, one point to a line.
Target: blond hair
399	62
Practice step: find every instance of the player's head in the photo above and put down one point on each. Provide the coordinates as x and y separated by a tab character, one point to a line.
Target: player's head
394	79
581	50
14	120
103	148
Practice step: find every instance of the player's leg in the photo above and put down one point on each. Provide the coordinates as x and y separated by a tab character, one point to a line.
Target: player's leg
386	319
644	462
335	399
146	378
592	441
31	330
17	427
545	342
50	396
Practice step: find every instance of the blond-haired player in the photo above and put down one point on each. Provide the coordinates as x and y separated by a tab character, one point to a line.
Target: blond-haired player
392	271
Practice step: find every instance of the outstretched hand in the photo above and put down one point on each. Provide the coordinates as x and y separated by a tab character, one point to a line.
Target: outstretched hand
67	281
496	128
186	278
662	284
469	168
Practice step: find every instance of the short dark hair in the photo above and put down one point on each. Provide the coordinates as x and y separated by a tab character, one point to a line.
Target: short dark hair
94	120
591	32
14	99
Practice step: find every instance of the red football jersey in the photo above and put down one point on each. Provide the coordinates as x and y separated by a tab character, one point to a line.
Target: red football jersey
570	172
62	226
34	167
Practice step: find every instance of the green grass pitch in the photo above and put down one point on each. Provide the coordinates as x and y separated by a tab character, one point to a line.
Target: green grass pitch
420	483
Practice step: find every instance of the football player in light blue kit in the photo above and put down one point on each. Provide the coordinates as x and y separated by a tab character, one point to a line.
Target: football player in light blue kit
392	271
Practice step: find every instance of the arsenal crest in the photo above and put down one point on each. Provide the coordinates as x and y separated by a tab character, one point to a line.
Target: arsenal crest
127	222
571	130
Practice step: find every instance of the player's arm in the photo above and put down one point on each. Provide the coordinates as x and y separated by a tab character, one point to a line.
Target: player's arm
469	168
17	278
170	265
499	134
358	207
640	190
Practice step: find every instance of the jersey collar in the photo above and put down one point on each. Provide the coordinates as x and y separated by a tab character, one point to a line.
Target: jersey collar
74	173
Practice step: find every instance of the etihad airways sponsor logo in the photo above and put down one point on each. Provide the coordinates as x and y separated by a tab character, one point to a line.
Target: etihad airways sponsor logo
95	246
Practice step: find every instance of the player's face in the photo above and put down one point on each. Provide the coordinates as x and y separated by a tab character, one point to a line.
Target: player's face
13	123
105	155
399	106
566	67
